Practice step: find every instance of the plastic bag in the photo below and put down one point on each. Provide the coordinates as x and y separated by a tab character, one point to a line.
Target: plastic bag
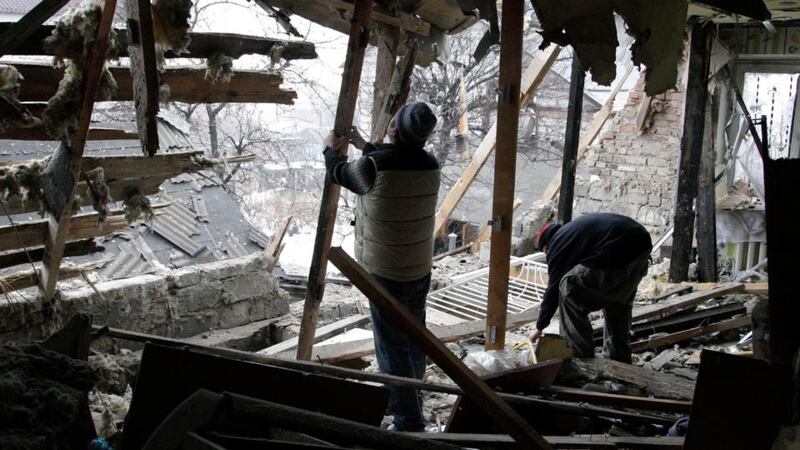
492	361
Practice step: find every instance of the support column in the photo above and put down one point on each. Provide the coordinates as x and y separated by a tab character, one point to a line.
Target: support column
505	167
691	149
706	206
571	138
348	94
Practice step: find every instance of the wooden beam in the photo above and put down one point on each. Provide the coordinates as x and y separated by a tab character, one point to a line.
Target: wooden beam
531	79
571	136
659	384
95	134
685	335
326	332
446	333
505	172
388	42
643	113
706	204
594	128
486	231
17	32
397	93
32	234
760	288
76	248
187	85
61	175
202	45
144	72
28	278
618	400
345	109
397	315
691	150
124	176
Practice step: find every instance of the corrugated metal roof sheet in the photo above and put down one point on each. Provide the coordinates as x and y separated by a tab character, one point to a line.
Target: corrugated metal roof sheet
177	224
134	258
199	206
258	237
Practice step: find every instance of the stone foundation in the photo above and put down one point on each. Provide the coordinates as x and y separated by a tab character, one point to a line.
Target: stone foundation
179	304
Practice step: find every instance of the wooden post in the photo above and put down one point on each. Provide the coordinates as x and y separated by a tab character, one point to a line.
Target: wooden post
348	94
691	149
591	133
397	93
144	72
505	168
388	41
475	388
62	172
706	206
531	79
19	31
571	137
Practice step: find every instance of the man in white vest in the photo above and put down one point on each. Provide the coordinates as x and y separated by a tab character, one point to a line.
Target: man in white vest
397	185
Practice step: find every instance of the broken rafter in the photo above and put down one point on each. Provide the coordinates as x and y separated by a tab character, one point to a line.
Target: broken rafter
202	45
32	233
144	72
186	85
398	92
62	173
531	80
345	110
685	335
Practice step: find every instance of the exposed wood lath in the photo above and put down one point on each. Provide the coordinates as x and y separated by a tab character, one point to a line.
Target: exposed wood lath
32	233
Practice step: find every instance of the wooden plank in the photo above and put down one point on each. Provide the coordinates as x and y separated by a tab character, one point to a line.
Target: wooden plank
32	233
531	79
473	387
28	278
345	109
77	248
202	45
674	338
38	133
643	112
672	306
187	85
505	172
388	42
142	53
67	168
446	333
758	288
486	231
618	400
326	332
594	128
654	383
571	137
691	149
17	32
590	441
398	91
275	244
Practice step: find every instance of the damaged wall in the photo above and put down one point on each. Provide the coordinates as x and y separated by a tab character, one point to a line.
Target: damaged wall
633	173
182	303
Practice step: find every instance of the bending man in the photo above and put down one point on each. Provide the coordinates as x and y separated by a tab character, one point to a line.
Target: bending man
594	262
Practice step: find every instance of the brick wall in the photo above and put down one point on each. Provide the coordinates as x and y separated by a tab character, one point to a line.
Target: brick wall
633	173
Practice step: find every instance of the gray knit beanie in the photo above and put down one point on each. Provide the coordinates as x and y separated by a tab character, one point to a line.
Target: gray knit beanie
414	123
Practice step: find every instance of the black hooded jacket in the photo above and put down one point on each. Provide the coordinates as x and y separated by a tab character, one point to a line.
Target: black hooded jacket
597	240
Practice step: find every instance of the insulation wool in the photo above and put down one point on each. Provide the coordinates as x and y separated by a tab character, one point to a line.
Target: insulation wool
219	68
171	27
13	114
101	194
70	42
23	180
137	206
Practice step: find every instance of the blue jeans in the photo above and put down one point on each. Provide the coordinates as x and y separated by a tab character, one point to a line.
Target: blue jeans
397	355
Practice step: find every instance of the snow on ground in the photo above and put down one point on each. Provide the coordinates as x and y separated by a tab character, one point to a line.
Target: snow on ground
296	257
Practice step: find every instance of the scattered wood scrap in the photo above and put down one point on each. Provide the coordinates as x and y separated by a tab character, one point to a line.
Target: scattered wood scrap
321	334
685	335
654	383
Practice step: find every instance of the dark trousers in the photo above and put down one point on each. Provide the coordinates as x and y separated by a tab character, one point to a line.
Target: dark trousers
397	355
583	290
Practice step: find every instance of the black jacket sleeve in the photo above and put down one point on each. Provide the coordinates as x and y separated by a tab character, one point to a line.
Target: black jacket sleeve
358	175
549	300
